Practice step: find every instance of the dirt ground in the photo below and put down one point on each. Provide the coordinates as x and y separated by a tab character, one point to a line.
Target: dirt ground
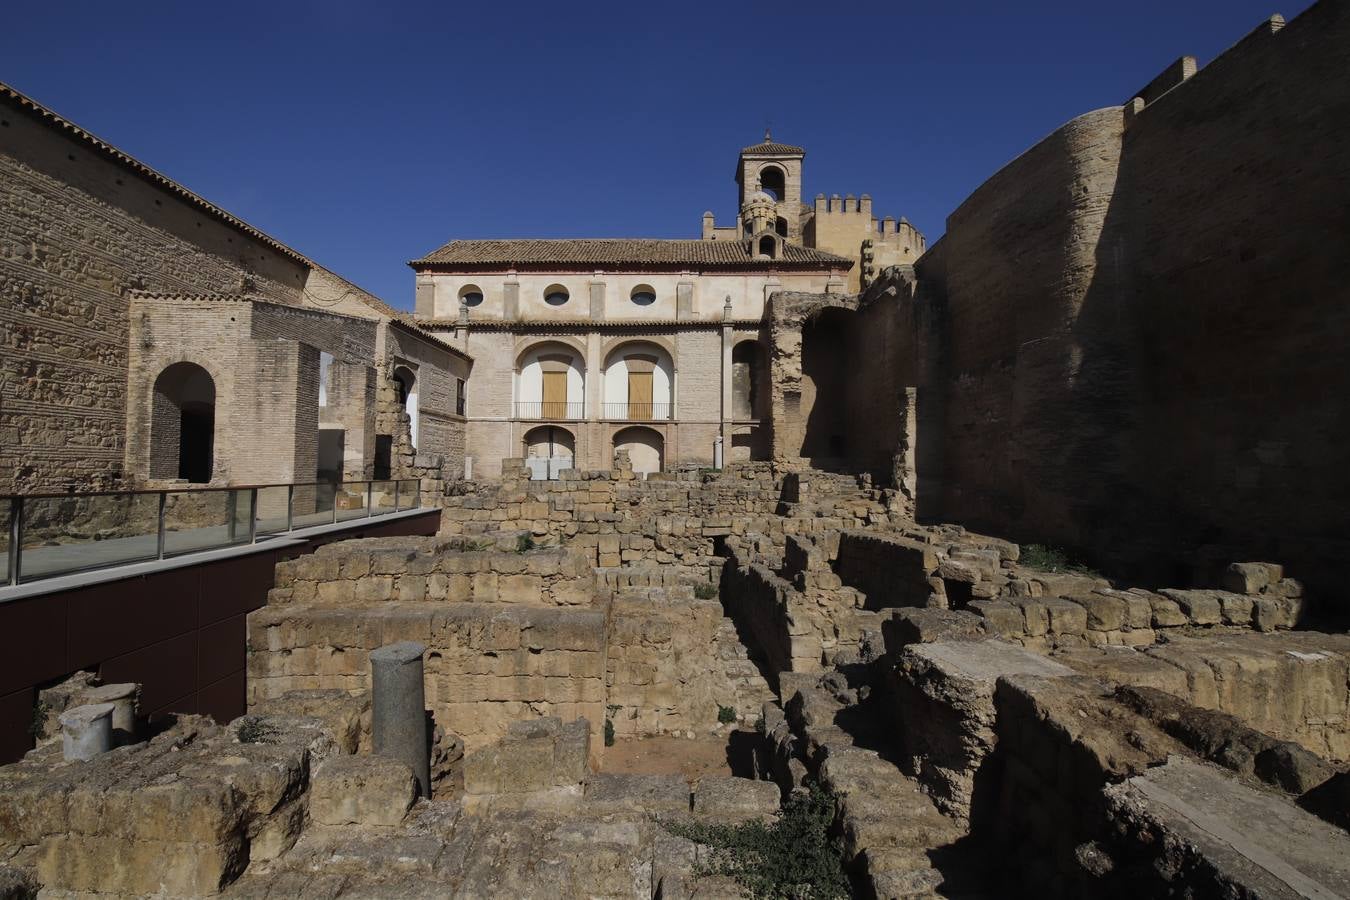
711	754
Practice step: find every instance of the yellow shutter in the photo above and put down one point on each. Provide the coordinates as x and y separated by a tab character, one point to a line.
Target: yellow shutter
640	395
555	395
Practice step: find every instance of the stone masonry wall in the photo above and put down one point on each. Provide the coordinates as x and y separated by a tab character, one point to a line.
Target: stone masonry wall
77	233
1100	290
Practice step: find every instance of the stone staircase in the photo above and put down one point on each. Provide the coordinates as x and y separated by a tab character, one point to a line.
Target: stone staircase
897	845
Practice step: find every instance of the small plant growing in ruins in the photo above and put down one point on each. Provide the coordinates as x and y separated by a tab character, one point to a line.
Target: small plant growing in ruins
38	727
524	543
253	730
726	714
705	590
1051	559
792	857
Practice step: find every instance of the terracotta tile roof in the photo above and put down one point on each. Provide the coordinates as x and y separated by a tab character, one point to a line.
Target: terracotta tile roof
774	148
621	252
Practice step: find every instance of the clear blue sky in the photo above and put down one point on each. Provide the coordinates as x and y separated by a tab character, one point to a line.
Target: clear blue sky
367	134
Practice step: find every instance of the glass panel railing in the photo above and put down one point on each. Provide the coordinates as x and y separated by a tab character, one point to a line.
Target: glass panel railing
351	500
382	497
78	532
273	513
313	504
69	534
6	517
205	520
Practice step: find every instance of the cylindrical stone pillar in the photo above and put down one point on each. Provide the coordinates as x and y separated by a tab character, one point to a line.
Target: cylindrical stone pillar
86	731
123	700
398	714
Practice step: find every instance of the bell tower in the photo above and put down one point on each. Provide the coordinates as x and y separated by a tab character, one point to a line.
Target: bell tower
774	170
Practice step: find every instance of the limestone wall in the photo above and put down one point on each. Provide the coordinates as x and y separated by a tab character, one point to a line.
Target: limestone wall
1137	311
417	569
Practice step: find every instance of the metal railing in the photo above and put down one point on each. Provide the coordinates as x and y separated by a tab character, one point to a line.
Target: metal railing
550	409
639	412
63	534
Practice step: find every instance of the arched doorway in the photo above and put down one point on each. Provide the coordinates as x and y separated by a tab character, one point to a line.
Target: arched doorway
548	449
405	382
183	424
645	446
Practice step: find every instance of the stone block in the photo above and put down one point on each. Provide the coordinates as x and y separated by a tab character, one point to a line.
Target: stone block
1251	577
1104	612
658	794
736	799
1200	607
526	589
361	790
1066	617
926	626
1000	617
945	710
534	755
1240	841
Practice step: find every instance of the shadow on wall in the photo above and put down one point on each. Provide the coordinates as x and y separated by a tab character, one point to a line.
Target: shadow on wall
1146	317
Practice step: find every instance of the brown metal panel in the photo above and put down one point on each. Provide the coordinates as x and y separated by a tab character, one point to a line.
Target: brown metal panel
236	586
225	699
34	635
16	719
166	671
116	618
221	649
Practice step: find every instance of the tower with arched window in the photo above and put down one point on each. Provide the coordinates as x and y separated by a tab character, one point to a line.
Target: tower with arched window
774	170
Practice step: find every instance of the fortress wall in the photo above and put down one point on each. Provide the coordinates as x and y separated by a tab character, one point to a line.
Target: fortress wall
1030	388
1146	315
77	232
1235	188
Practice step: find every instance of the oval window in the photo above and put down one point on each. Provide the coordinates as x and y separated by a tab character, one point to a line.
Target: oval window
471	295
556	295
643	295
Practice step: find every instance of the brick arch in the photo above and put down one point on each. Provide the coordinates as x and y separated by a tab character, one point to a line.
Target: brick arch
529	343
613	345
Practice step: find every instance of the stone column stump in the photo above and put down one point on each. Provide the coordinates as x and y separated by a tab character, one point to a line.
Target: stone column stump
86	731
398	714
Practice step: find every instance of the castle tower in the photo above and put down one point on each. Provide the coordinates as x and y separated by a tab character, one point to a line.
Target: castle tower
776	171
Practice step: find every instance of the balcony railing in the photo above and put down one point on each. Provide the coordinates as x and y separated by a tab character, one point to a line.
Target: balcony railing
550	409
60	534
639	412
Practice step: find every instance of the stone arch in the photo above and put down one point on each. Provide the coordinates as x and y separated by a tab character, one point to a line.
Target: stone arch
405	383
773	181
182	424
646	448
550	381
551	441
639	381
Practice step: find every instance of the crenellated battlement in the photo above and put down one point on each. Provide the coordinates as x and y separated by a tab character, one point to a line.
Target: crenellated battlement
1184	69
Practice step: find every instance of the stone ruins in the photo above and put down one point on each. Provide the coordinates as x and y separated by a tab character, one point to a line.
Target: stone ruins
1022	559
